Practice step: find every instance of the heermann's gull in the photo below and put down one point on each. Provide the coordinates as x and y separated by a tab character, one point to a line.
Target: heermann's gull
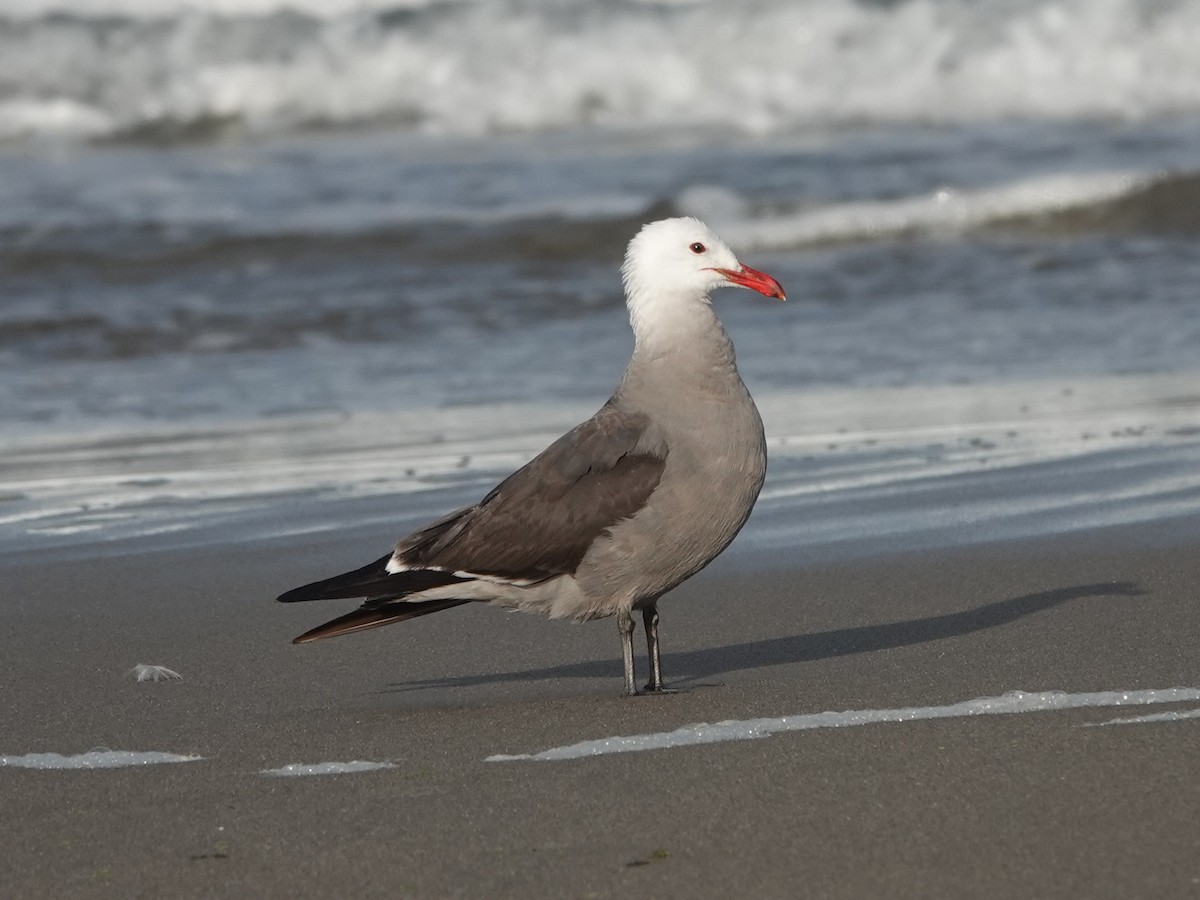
620	509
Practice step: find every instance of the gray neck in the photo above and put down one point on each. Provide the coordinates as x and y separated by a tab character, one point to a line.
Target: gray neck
679	357
682	331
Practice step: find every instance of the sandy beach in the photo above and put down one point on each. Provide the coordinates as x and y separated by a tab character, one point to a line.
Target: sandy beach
1029	804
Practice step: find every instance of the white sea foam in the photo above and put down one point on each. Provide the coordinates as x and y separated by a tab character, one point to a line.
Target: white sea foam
158	9
1174	716
477	66
95	759
944	211
327	768
749	729
1103	451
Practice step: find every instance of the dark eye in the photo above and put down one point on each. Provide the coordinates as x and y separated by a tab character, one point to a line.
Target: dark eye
697	247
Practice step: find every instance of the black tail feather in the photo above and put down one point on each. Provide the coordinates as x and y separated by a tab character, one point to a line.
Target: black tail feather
372	582
374	616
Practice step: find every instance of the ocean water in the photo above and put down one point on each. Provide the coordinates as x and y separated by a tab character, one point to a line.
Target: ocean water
279	267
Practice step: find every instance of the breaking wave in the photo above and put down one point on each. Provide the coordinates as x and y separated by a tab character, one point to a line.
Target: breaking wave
1061	203
555	256
203	69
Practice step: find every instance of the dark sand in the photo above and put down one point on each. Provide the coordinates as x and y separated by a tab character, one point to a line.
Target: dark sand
1031	805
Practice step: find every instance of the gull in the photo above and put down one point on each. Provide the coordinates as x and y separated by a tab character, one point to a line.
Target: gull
623	507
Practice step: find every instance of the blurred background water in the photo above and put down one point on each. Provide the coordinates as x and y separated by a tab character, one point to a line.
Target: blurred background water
216	212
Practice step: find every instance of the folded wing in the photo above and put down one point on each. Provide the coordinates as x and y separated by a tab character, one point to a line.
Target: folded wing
537	524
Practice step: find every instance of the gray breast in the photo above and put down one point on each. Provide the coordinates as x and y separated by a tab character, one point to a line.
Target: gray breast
715	465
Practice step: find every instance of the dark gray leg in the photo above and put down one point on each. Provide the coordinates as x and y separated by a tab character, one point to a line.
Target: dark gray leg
650	618
625	626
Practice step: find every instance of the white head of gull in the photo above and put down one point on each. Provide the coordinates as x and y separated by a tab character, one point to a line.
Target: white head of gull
625	506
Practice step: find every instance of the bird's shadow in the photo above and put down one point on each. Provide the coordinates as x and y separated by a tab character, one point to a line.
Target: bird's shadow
692	666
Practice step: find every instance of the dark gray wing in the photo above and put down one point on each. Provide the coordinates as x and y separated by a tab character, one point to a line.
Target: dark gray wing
540	521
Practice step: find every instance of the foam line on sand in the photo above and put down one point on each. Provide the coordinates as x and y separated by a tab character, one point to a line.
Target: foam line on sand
94	759
749	729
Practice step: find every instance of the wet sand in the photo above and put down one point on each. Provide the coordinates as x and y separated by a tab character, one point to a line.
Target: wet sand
1033	804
